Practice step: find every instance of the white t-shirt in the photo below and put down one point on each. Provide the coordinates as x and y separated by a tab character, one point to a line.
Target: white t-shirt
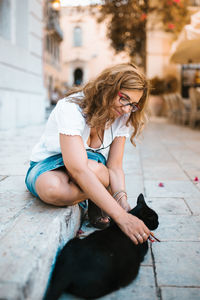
66	118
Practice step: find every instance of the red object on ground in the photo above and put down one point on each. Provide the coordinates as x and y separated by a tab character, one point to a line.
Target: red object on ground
196	179
80	231
161	184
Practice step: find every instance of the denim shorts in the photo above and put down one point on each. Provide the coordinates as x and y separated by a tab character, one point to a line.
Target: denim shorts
52	163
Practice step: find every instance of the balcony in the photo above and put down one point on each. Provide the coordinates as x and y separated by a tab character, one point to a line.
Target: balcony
53	27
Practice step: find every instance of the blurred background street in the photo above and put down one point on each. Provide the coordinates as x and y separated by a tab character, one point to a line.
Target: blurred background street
47	47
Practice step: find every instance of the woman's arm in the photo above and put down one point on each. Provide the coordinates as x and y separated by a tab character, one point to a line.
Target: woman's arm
114	164
116	173
75	160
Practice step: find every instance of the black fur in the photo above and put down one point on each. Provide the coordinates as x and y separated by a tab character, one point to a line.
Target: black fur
102	262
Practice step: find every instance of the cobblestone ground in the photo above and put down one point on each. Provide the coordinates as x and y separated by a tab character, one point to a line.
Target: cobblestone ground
168	154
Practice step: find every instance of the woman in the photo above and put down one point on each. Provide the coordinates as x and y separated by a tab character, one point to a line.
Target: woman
80	154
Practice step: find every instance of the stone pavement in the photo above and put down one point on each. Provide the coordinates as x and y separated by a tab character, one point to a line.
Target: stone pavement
31	231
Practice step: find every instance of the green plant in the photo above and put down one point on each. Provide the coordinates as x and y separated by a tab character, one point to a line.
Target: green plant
157	86
171	84
128	19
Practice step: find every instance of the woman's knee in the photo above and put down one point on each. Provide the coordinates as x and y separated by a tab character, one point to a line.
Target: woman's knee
100	170
49	190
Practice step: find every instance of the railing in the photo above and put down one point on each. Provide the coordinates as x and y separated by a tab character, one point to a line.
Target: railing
53	25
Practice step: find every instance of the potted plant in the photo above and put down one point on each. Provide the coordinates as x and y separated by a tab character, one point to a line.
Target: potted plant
156	102
171	84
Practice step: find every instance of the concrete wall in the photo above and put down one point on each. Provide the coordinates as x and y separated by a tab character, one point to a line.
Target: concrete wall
22	92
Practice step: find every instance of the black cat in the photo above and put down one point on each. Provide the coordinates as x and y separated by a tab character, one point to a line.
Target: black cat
102	262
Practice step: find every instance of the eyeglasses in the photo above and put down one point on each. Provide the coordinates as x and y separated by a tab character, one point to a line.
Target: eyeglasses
125	102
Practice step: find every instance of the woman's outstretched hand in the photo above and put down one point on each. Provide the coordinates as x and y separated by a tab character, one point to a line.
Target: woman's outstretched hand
134	228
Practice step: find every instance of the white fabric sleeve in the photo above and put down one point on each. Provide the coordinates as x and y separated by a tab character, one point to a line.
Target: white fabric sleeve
123	130
69	119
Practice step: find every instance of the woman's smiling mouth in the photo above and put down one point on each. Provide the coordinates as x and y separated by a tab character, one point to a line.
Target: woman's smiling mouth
118	113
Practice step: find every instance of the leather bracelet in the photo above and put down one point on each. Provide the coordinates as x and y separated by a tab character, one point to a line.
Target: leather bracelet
122	191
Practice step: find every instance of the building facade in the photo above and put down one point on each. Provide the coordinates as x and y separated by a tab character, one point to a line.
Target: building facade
22	90
85	49
53	38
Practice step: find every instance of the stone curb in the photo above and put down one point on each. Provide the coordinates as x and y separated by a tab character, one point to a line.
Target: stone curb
29	247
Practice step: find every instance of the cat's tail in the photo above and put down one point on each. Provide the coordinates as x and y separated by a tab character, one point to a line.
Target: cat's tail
59	280
56	287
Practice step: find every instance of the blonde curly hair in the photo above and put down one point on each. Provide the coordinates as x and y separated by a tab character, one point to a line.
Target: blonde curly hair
99	95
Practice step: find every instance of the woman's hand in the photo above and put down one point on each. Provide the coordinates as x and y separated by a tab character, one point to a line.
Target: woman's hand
134	228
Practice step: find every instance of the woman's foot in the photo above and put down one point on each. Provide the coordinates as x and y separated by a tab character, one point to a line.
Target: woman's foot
97	217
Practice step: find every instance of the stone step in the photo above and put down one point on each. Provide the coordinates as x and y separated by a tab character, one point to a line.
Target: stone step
28	248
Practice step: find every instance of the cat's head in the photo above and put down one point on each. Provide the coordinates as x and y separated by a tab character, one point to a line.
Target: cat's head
145	213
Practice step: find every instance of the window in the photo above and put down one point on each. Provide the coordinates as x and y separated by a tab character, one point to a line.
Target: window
50	45
5	21
22	23
47	43
57	52
77	36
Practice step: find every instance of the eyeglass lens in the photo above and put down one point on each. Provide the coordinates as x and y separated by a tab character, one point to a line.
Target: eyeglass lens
133	106
125	102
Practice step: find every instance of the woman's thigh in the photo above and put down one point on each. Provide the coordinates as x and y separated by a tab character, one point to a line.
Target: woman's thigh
53	187
56	187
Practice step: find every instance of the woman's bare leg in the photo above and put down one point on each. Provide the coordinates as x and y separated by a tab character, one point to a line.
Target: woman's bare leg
55	187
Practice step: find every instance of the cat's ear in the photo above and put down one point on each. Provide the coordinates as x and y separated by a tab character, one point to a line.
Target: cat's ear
140	204
141	201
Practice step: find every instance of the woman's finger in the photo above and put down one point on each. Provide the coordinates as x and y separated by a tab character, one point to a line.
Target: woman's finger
144	236
147	231
139	238
133	238
144	229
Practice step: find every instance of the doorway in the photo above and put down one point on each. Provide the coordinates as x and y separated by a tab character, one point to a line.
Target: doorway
78	76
